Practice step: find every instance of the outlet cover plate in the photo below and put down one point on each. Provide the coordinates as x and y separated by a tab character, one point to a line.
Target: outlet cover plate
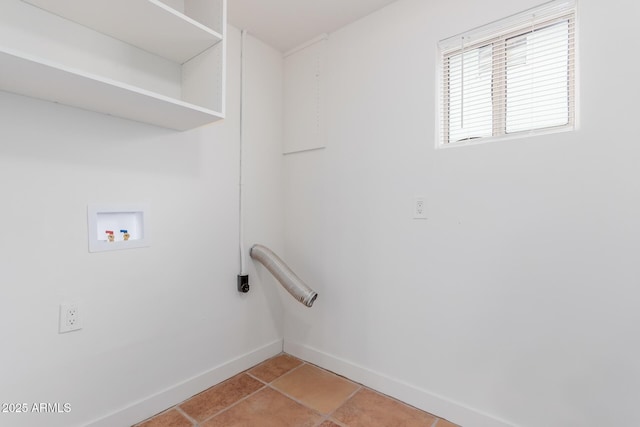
419	207
70	319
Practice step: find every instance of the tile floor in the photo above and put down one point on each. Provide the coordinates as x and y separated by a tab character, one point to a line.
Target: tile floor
288	392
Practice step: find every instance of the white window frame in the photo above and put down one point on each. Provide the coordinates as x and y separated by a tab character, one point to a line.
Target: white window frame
497	34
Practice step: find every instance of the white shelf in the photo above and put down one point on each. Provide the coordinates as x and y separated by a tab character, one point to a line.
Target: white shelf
139	59
32	76
148	24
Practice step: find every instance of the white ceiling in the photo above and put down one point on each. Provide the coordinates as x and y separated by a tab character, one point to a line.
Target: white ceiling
285	24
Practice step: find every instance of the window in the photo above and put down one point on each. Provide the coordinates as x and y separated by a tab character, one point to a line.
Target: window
514	76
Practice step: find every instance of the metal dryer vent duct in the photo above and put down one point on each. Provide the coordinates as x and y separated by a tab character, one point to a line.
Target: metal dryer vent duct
281	271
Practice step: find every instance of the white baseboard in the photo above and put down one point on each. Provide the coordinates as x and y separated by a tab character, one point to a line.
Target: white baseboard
414	396
164	399
422	399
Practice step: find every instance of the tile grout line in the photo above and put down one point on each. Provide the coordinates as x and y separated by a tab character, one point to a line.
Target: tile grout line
187	416
334	373
245	372
269	385
295	368
325	417
193	422
322	420
288	396
237	402
362	386
276	378
358	388
292	370
402	403
264	386
257	379
333	419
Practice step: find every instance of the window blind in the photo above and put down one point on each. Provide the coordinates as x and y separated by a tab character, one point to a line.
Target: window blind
512	76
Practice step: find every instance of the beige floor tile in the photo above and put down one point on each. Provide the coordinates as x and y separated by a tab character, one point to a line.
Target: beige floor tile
316	388
219	397
370	409
445	423
170	418
244	401
267	408
275	367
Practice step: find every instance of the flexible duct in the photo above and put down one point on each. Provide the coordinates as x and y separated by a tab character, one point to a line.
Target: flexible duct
281	271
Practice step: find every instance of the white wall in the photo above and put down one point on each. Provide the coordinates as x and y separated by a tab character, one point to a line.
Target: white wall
516	302
160	323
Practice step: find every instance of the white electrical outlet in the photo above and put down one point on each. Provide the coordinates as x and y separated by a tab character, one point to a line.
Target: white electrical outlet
419	208
69	317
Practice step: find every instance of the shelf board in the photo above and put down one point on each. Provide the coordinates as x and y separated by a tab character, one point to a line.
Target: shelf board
38	78
148	24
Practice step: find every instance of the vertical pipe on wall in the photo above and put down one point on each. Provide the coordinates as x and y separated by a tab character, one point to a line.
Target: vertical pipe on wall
243	266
